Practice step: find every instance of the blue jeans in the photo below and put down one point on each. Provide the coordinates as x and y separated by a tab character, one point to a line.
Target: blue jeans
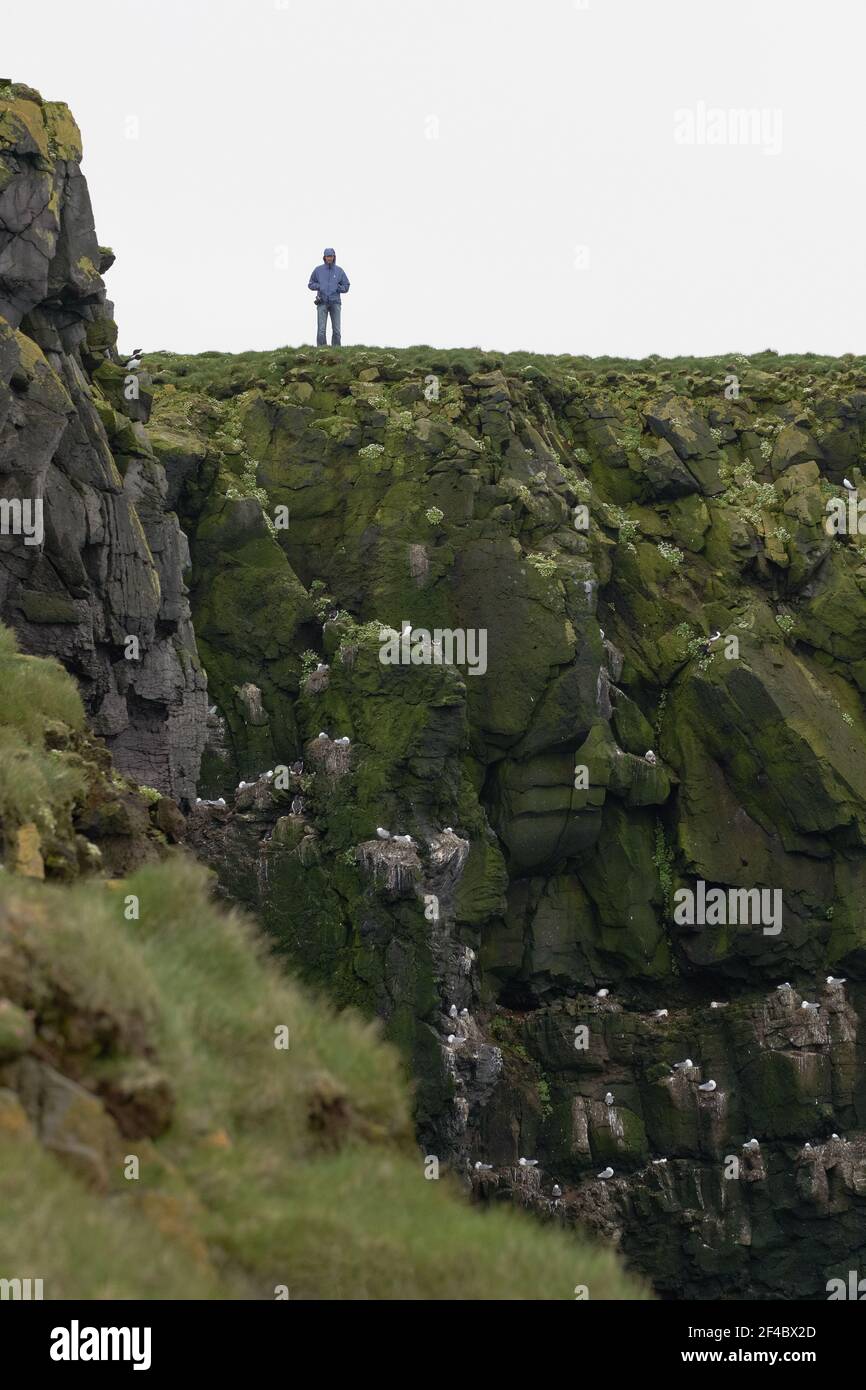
323	311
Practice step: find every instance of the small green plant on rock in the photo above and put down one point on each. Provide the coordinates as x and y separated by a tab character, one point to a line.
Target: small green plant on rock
663	858
543	1089
545	564
671	554
323	602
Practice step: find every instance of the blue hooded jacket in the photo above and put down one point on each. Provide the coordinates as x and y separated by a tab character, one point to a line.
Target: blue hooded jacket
329	281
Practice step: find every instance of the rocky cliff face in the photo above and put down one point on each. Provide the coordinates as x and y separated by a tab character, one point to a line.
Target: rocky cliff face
527	946
91	561
537	726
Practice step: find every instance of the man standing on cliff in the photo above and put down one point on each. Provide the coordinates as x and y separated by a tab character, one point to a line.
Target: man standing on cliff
329	281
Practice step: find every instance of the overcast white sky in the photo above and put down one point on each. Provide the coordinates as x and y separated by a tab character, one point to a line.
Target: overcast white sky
558	206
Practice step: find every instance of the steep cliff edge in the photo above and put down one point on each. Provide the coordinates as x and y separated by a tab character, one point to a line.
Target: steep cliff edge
91	562
505	656
598	523
178	1119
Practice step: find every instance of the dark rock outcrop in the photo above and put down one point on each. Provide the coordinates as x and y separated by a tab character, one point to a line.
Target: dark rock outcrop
91	561
558	800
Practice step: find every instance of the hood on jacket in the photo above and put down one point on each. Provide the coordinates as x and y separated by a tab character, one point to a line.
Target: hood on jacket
329	251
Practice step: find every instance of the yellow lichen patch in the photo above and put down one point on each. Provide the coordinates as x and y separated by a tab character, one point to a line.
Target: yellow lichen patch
173	1217
29	354
63	132
27	853
13	1117
33	362
219	1139
22	127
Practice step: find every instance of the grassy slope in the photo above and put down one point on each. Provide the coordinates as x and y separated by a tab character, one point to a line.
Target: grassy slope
279	1167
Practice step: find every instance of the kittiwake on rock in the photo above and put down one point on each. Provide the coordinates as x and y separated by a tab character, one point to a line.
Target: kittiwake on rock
452	1012
752	1144
556	1190
602	993
528	1162
707	1086
717	1004
849	486
834	1136
464	1013
813	1008
483	1167
608	1100
383	833
402	839
650	757
322	735
606	1173
658	1161
786	985
680	1066
660	1013
807	1148
342	742
708	642
836	980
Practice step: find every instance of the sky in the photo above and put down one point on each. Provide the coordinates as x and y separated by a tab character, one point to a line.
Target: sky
567	176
